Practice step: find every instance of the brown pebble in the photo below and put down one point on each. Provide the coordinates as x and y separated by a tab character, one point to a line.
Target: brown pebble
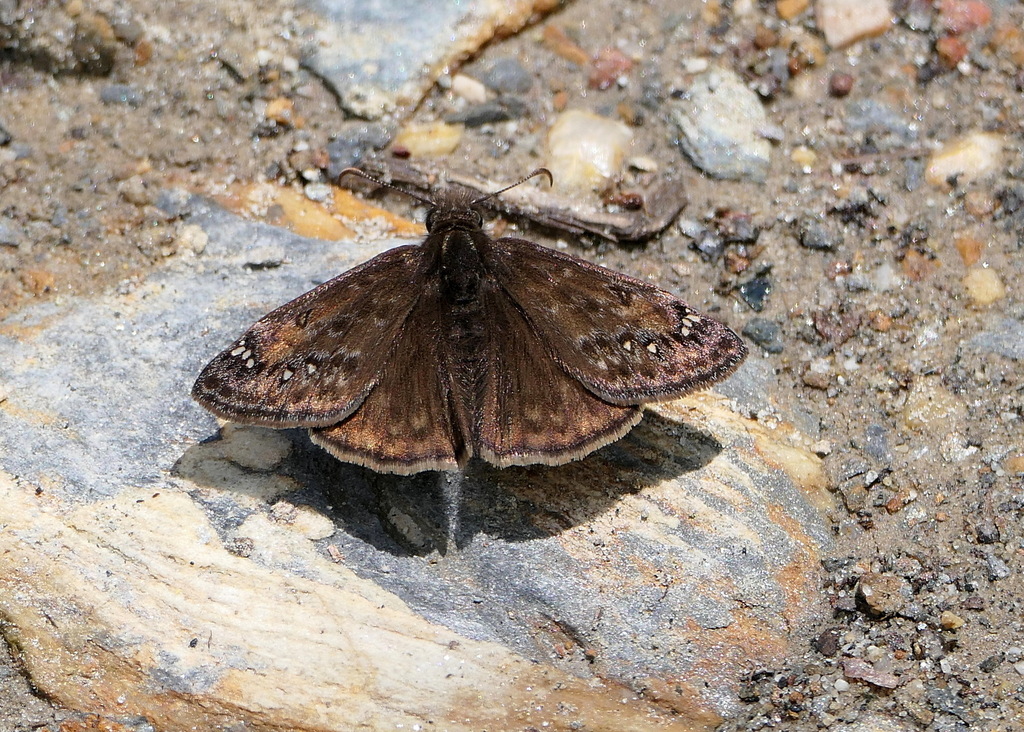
816	380
880	321
951	51
962	16
840	84
143	52
630	114
836	328
858	668
969	248
607	67
883	595
950	621
765	38
556	39
979	204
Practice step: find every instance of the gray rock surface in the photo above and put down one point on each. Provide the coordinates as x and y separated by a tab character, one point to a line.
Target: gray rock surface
374	53
685	551
721	122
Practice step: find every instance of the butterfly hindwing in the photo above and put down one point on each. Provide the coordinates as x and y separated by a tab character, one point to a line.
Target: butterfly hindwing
531	410
312	361
406	423
627	341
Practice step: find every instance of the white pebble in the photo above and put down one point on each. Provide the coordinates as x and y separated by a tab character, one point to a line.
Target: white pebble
847	21
585	150
470	89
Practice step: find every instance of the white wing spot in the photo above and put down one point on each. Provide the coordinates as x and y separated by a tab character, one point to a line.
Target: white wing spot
601	364
238	351
628	345
692	319
250	363
311	368
246	354
683	331
287	374
652	347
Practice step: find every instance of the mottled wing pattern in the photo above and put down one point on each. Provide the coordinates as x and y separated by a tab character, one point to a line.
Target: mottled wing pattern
405	425
312	361
625	340
531	410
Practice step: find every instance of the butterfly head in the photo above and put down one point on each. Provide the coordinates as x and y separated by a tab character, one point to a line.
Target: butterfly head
452	213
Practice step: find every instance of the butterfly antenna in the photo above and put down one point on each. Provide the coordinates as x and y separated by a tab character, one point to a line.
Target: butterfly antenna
378	181
534	174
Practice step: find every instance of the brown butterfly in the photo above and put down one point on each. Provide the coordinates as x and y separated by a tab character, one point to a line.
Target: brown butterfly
463	346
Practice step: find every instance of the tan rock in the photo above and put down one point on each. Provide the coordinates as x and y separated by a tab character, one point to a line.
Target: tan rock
973	156
844	22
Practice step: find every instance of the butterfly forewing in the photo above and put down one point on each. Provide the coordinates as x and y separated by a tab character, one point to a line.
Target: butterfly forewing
312	361
405	425
531	410
625	340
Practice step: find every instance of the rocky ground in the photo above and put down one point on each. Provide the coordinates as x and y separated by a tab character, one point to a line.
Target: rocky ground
864	233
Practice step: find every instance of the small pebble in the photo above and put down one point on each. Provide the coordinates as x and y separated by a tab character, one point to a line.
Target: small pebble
318	192
755	292
844	22
430	140
281	110
585	150
815	235
883	595
969	248
997	568
497	110
950	621
94	44
120	94
608	67
951	51
720	119
804	156
971	157
10	233
507	76
984	286
468	88
858	668
765	333
840	84
789	9
963	16
929	404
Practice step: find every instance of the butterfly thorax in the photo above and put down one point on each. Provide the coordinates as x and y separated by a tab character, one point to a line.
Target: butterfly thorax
460	264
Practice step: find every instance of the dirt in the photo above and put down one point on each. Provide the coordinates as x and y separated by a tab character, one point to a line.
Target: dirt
920	426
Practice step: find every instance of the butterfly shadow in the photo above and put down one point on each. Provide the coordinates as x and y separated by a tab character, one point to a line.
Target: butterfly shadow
437	512
428	512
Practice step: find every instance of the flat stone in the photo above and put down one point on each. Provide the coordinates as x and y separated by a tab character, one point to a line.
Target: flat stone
720	119
380	57
844	22
1005	337
242	577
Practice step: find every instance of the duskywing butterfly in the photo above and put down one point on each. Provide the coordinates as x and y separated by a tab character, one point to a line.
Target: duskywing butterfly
463	346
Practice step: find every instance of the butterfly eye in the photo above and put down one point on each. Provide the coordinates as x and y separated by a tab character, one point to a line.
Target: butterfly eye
478	218
429	221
